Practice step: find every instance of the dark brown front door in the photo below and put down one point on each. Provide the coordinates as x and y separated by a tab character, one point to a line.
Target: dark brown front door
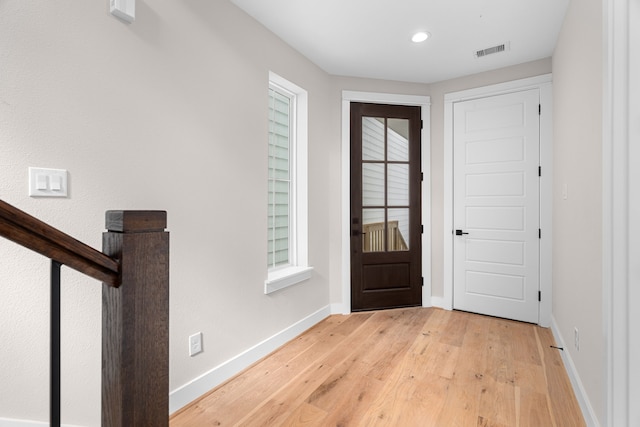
386	248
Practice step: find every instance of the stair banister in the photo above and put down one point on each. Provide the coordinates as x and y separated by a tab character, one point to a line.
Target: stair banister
134	269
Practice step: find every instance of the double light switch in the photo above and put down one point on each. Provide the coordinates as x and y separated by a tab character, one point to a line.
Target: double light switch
48	182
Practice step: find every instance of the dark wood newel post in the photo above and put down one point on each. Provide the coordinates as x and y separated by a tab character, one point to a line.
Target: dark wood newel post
135	321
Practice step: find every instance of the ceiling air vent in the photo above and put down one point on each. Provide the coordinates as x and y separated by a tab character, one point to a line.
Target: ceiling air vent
491	50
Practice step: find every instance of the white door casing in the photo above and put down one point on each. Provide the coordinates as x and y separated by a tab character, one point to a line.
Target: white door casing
543	85
496	205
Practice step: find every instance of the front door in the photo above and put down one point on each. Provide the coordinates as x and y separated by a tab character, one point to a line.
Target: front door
496	158
385	207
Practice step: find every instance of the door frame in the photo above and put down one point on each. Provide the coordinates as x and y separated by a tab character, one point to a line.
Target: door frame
544	85
345	222
620	204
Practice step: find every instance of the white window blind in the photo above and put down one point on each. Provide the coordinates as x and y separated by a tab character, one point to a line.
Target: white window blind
280	178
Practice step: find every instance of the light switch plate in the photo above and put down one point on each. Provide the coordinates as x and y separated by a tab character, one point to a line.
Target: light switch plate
45	182
124	9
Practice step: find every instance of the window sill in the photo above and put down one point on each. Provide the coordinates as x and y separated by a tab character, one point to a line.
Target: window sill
286	277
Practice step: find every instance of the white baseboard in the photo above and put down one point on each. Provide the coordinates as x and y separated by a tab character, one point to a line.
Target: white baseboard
437	302
187	393
583	399
340	308
7	422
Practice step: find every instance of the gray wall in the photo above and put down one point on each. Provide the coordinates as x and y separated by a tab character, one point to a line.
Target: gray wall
577	220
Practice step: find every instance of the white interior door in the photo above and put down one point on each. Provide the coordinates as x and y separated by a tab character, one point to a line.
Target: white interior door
496	195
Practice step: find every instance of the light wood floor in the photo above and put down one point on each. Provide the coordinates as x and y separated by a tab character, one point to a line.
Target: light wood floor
405	367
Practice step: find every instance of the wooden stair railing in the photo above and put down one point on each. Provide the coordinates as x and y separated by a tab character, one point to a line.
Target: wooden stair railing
134	269
374	240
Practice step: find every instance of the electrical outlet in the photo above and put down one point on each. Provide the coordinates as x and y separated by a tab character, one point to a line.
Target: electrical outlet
576	339
195	344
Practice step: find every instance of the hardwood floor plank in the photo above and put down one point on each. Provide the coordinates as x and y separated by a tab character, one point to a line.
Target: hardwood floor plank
306	416
394	405
408	399
484	422
525	346
560	397
339	384
436	323
462	401
498	403
404	367
350	410
530	377
362	337
432	356
349	324
429	398
404	331
499	353
455	328
283	403
388	408
534	410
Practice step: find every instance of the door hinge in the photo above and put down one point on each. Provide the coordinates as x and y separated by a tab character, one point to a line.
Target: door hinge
421	124
539	109
421	176
539	233
539	296
422	229
539	170
422	281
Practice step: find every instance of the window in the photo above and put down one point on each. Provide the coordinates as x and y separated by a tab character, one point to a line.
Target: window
281	121
287	259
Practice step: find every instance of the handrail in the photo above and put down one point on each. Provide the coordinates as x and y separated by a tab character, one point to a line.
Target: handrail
134	268
40	237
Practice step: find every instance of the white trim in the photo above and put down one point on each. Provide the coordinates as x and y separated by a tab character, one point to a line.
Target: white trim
280	279
197	387
588	413
621	207
447	279
384	98
546	203
437	302
426	203
499	89
633	321
337	309
543	84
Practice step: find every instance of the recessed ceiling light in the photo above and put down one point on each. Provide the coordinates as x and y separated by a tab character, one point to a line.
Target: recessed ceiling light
419	37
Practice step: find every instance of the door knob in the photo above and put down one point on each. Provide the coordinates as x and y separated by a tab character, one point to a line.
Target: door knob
460	233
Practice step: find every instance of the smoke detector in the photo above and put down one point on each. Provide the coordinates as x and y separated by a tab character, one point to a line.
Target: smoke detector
491	50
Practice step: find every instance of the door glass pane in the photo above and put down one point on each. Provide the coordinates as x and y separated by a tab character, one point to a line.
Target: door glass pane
373	235
398	191
398	227
372	138
373	184
398	140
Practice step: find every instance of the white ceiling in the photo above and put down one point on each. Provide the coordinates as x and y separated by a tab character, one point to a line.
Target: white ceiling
372	38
